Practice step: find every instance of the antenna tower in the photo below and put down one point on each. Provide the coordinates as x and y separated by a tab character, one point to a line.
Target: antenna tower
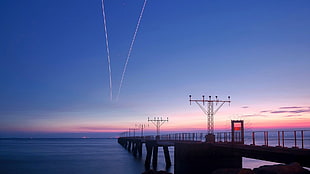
134	131
142	127
157	122
210	112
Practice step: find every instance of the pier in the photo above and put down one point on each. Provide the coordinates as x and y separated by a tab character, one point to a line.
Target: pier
135	144
194	154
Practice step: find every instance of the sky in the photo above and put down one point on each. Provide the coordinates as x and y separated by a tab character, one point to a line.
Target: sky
55	79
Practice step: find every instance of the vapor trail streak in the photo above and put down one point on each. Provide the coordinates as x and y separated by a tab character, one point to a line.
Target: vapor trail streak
107	47
130	49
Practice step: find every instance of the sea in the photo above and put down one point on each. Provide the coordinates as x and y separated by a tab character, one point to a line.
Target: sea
78	156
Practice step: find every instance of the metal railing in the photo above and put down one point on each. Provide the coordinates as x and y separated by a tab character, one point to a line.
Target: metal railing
294	138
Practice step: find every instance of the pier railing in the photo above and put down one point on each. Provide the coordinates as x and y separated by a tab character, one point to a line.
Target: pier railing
287	139
296	138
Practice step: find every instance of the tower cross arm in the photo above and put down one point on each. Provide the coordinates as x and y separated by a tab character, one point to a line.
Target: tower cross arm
222	103
202	108
163	121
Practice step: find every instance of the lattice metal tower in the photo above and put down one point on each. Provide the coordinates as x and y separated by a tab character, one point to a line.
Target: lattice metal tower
210	112
134	131
142	127
158	122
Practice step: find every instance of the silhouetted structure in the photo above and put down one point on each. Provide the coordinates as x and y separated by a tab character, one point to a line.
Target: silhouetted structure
191	155
209	112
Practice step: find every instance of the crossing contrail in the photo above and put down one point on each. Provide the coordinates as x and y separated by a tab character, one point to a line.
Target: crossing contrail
107	47
130	49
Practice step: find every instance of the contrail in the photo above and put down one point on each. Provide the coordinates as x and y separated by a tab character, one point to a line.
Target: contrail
130	49
107	47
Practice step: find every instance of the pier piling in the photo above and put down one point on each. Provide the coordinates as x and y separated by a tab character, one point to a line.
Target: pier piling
129	146
140	149
135	149
149	149
167	156
155	156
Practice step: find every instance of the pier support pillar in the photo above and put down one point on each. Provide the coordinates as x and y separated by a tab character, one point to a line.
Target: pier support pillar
149	149
140	149
155	156
135	149
129	146
203	158
125	144
133	146
167	156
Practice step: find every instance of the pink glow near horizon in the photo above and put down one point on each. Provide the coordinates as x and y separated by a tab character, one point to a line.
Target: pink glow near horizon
190	120
185	125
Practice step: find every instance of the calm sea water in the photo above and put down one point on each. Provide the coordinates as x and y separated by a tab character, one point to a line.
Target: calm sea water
78	156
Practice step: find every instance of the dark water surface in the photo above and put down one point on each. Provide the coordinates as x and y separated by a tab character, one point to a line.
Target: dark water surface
56	156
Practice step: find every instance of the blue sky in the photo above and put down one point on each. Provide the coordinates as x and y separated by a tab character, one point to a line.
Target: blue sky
54	72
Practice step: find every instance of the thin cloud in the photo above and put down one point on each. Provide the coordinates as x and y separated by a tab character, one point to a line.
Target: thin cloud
301	111
291	107
279	112
292	116
288	110
266	111
292	112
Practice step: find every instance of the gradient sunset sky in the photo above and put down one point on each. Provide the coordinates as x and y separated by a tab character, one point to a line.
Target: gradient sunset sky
55	79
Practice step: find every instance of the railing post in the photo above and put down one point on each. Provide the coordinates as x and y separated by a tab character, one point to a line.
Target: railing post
221	137
302	139
282	138
295	140
267	138
278	138
253	138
